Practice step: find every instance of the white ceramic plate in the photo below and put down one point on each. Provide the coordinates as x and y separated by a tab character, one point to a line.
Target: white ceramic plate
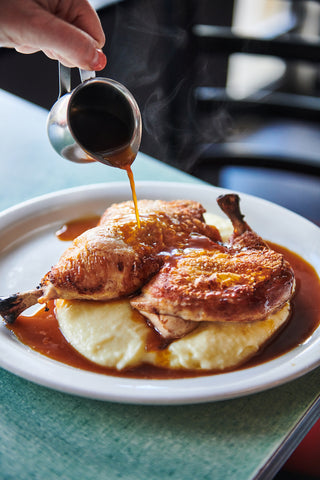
28	248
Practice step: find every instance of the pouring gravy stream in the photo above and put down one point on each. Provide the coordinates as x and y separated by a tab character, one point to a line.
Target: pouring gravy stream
106	130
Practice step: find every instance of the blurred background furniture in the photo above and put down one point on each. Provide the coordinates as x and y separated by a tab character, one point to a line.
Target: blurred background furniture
244	88
257	129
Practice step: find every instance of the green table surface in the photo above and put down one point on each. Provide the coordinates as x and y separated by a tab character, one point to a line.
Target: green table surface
45	434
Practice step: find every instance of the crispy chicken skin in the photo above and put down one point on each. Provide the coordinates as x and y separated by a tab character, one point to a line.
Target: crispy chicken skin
242	281
116	258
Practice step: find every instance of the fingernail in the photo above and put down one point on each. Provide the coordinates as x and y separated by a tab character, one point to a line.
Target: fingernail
99	61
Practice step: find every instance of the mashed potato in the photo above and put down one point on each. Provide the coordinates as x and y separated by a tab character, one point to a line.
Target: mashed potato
224	225
218	346
108	333
114	335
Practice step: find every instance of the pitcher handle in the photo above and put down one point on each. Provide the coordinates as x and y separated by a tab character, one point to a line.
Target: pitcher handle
65	78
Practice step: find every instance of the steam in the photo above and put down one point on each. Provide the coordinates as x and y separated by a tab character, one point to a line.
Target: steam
193	135
140	45
157	106
146	50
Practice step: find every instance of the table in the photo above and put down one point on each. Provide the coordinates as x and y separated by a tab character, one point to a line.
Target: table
52	435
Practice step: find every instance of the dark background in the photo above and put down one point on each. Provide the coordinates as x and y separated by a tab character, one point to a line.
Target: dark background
152	49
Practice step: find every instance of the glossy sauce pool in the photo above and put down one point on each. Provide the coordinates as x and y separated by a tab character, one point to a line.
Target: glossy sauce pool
41	331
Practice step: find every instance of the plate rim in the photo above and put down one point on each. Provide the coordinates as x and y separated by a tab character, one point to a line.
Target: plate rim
135	391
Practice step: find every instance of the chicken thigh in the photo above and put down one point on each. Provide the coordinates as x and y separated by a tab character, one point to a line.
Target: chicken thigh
242	281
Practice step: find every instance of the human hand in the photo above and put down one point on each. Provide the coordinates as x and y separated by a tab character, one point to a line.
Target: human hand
66	30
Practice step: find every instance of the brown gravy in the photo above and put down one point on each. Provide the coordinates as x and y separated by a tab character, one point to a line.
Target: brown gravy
71	230
41	331
133	190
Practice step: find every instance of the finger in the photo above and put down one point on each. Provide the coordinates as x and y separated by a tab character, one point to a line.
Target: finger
99	64
77	47
55	56
88	20
26	49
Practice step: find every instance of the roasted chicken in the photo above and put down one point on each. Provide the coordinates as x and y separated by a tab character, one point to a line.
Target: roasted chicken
175	268
242	281
116	258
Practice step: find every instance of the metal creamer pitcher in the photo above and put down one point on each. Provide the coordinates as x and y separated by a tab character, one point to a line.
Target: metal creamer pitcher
97	121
